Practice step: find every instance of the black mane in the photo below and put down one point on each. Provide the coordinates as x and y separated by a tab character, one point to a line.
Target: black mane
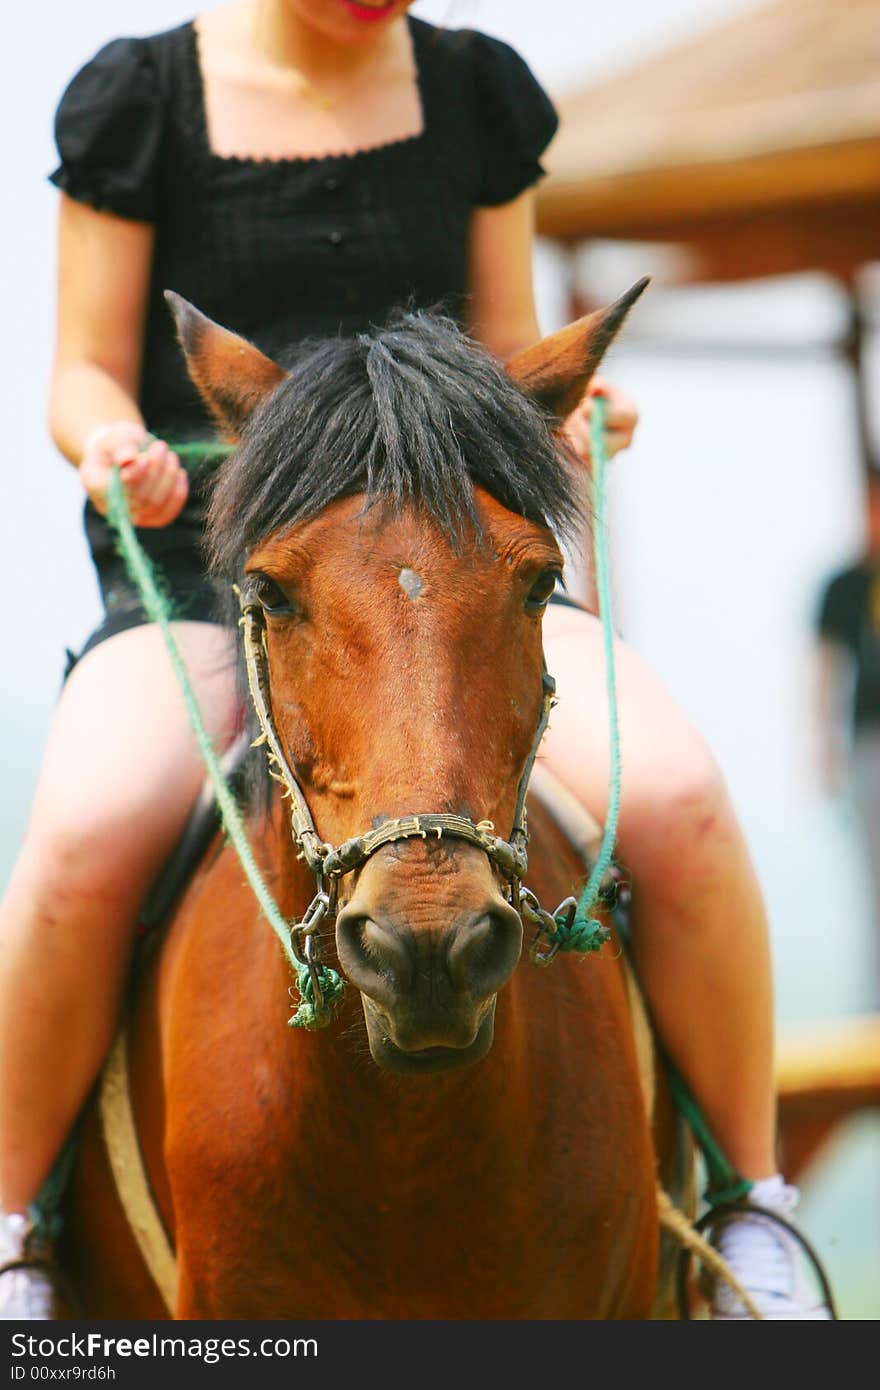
414	411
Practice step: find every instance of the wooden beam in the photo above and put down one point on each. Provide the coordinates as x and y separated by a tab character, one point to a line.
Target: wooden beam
633	204
837	240
830	1057
826	1072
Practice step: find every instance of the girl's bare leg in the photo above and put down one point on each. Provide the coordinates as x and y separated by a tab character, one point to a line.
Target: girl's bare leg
700	933
120	773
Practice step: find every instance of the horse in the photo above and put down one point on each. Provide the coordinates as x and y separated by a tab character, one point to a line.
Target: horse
467	1137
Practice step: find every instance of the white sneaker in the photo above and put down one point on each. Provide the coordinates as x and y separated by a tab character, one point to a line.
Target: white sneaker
26	1291
766	1260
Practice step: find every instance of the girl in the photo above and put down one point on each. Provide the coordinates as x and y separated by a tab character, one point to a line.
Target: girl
298	167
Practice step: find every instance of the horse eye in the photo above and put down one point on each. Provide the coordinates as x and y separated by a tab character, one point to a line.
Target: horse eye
268	594
539	594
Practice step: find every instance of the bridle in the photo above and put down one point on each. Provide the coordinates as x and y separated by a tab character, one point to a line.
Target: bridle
331	863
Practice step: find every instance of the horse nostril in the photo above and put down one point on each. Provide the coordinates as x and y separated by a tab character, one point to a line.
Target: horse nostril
374	957
485	951
477	954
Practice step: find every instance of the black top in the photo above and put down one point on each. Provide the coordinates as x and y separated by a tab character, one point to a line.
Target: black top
282	249
849	616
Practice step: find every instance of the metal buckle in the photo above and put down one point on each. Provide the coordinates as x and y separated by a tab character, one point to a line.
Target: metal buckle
312	953
567	910
314	914
547	924
544	924
306	946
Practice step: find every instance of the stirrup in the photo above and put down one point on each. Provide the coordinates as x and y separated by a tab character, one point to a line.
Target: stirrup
726	1213
51	1285
28	1291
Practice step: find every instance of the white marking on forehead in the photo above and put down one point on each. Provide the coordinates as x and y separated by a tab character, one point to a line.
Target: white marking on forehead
411	583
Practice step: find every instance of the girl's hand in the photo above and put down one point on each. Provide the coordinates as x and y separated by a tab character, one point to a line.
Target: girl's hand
156	484
621	418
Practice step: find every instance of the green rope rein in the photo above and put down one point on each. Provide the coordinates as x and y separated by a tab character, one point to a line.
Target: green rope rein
158	609
585	932
725	1182
200	451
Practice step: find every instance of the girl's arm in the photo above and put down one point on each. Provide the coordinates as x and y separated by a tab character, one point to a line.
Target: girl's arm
501	297
103	279
502	311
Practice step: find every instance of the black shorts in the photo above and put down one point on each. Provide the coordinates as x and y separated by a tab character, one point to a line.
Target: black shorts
198	605
175	553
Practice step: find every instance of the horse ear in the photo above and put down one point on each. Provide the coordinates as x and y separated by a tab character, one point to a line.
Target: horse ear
555	372
233	377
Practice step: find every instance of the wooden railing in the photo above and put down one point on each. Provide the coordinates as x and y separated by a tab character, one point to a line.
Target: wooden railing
827	1070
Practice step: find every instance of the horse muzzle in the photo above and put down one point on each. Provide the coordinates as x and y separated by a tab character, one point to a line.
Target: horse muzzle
428	970
426	1061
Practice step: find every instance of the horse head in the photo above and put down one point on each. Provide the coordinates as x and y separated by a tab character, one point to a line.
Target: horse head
390	516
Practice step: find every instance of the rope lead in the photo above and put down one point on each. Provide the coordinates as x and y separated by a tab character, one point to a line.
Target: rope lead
158	610
584	932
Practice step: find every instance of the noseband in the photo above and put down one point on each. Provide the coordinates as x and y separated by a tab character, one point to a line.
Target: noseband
330	863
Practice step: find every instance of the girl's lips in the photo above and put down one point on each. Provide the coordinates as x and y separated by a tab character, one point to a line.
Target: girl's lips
369	14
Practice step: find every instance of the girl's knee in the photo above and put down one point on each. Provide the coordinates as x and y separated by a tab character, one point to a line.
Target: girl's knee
684	816
90	862
698	805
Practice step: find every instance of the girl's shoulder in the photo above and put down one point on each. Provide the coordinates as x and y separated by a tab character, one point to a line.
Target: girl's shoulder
471	54
143	59
110	120
512	118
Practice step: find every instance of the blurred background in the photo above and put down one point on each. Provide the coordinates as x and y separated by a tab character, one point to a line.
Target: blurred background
732	151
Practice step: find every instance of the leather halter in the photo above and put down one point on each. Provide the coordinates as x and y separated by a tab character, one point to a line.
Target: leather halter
331	863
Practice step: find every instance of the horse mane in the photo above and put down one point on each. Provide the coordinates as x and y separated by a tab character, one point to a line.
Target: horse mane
411	412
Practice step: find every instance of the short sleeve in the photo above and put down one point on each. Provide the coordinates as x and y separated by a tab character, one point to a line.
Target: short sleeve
108	130
517	120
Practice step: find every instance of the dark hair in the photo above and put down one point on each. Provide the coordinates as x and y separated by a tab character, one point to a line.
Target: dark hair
412	412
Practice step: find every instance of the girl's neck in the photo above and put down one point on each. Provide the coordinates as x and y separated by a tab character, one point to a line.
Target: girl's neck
275	87
286	40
